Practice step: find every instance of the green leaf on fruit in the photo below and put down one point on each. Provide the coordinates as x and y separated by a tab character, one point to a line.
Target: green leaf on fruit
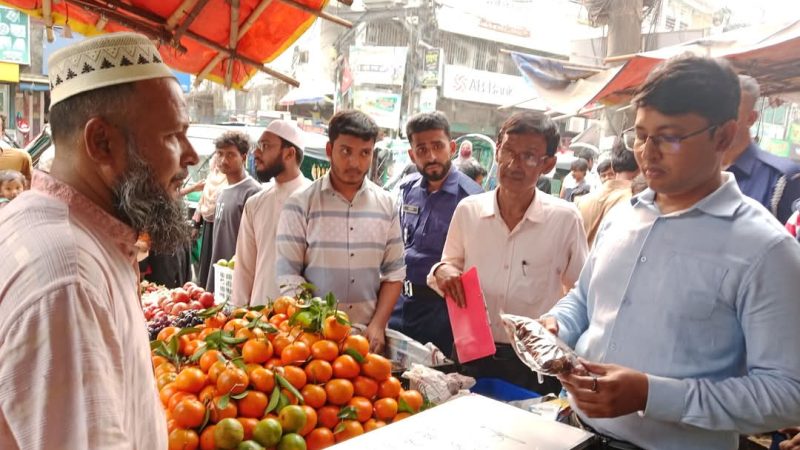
223	401
348	413
330	300
283	401
402	406
339	428
354	353
230	340
288	386
274	400
240	396
257	308
199	353
206	418
239	362
185	331
210	312
267	327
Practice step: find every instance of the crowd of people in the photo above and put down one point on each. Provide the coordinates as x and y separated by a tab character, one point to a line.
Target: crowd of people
680	296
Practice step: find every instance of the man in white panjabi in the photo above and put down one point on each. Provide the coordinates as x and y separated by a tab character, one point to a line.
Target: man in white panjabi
76	371
278	155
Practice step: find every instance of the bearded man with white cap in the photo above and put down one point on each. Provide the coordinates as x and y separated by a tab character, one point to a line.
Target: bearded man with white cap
76	371
278	155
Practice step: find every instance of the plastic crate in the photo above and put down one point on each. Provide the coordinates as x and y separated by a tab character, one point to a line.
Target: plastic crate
501	390
223	283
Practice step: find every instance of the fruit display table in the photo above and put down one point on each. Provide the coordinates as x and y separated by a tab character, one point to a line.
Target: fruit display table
472	422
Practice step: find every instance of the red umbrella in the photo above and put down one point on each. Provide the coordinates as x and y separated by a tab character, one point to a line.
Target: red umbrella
225	41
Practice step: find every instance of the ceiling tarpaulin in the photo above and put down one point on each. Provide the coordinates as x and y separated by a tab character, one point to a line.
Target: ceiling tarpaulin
226	41
770	53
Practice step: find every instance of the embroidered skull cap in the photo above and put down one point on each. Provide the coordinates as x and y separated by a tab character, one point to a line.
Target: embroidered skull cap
101	61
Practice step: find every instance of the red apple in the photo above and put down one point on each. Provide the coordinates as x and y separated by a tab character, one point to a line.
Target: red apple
207	299
179	308
180	295
159	313
194	304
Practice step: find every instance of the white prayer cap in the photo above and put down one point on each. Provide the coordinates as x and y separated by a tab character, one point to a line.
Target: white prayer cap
107	60
288	130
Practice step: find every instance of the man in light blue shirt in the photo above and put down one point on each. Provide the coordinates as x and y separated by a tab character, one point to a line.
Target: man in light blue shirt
687	308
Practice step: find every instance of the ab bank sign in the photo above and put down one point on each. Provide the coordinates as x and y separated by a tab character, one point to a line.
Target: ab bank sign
463	83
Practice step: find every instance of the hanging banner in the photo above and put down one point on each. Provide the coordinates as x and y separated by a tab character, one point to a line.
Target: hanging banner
432	68
14	36
383	107
378	65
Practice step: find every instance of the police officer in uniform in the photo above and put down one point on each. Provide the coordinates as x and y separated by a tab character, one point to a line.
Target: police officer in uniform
429	198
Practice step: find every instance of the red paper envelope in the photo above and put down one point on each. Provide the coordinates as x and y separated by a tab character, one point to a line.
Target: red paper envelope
472	334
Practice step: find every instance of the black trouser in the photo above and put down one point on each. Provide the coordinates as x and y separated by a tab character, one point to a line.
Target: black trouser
601	442
506	365
205	254
421	314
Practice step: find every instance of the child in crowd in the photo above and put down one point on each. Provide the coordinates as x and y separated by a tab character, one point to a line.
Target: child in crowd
12	183
579	168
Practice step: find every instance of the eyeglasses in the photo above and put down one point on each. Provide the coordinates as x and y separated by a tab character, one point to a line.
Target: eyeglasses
667	144
261	146
527	158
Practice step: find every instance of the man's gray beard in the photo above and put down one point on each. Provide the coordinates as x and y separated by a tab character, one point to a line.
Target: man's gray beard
145	206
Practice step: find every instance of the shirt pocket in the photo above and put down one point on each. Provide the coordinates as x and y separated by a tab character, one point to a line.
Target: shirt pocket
691	286
409	224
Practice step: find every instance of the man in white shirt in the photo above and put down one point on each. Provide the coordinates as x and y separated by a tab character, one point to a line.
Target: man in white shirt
76	370
278	155
528	247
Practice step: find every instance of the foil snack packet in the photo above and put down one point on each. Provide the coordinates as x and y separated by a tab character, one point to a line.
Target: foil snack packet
538	348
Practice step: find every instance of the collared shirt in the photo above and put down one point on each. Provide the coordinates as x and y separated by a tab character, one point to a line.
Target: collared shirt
254	280
595	205
522	271
76	369
705	302
348	248
425	218
757	173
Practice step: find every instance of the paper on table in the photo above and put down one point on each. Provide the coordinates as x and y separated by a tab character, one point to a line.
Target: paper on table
472	334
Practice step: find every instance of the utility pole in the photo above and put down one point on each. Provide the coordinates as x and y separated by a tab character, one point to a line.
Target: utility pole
624	27
624	38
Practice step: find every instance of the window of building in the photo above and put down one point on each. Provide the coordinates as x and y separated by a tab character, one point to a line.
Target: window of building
670	23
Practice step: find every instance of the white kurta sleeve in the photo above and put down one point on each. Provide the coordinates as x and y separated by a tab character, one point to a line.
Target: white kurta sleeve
60	377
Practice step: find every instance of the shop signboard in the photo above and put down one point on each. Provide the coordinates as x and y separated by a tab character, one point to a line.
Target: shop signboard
522	23
463	83
378	65
427	99
14	36
383	107
432	68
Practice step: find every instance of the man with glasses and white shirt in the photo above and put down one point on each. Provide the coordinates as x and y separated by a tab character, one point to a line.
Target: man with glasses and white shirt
528	247
688	302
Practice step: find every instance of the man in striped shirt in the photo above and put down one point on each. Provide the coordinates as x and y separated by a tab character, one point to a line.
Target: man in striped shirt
342	234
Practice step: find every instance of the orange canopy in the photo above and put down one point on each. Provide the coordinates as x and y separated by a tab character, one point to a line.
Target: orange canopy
225	41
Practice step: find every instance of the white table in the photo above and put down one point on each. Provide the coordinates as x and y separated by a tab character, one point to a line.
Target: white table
472	422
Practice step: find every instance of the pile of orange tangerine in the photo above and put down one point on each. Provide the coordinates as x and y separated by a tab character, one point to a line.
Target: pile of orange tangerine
330	388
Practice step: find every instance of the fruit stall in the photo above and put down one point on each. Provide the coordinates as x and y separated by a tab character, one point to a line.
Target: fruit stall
297	375
291	376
